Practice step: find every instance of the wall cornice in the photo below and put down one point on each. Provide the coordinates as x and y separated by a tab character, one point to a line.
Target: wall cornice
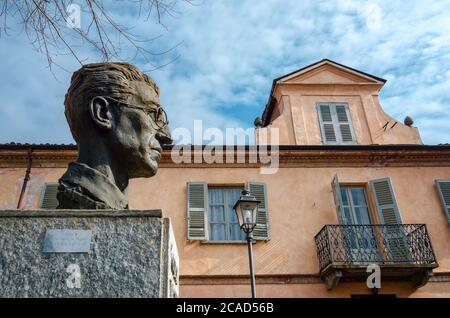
439	277
289	156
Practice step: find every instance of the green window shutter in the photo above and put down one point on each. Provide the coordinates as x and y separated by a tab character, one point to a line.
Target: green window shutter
262	229
395	239
344	123
197	211
338	199
326	124
443	187
385	201
335	124
48	198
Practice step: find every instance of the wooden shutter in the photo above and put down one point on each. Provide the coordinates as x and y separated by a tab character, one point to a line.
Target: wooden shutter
385	201
338	199
261	231
48	198
197	211
395	239
335	124
326	124
443	187
344	124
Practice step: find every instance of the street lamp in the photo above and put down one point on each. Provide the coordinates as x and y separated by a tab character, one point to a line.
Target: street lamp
246	210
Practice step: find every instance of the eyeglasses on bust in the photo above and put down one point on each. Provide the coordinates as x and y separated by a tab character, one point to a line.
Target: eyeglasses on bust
157	114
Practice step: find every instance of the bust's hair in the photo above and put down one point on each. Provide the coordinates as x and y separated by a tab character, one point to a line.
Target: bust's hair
99	79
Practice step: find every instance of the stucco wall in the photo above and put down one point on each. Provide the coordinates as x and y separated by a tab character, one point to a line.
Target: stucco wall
11	180
306	205
300	203
432	289
298	123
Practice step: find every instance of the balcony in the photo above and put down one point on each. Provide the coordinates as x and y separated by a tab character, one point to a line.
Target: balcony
403	252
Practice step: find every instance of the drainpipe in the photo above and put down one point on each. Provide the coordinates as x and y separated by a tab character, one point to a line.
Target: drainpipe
25	180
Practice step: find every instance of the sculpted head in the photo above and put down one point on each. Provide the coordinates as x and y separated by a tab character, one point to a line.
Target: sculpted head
113	110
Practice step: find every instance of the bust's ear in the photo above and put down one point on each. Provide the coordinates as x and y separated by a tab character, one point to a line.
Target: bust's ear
100	112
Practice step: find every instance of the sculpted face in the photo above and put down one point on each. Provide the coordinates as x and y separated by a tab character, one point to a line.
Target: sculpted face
137	135
115	116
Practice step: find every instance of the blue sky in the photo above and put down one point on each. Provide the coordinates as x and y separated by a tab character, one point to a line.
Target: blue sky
232	50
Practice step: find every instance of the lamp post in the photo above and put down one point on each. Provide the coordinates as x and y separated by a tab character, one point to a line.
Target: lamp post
246	209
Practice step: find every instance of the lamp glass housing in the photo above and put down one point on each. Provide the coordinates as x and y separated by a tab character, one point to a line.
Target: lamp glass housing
246	210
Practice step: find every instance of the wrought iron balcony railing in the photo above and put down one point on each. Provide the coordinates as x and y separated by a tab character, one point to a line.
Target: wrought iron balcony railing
352	245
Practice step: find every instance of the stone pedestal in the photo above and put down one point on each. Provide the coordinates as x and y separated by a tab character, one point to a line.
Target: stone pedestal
81	253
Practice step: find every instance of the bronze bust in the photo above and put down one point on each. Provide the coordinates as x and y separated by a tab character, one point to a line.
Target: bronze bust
119	125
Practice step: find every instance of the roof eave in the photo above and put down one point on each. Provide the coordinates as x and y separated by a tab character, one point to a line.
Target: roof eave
268	109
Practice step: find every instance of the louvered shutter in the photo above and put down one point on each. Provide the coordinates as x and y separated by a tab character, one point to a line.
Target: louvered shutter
385	201
49	200
343	122
443	187
338	199
335	124
197	211
261	231
394	237
326	124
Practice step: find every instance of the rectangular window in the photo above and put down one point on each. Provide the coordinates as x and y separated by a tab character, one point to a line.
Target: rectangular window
355	206
48	196
223	223
335	124
353	209
352	204
210	215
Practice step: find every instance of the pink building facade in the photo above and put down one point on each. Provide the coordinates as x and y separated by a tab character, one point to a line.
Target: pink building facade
353	187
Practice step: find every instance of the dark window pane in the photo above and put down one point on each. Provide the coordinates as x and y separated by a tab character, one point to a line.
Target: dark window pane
217	214
233	195
344	196
347	216
215	196
223	221
217	232
358	196
233	216
362	216
357	211
236	233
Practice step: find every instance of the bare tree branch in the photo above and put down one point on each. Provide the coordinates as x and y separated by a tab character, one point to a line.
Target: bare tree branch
46	23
